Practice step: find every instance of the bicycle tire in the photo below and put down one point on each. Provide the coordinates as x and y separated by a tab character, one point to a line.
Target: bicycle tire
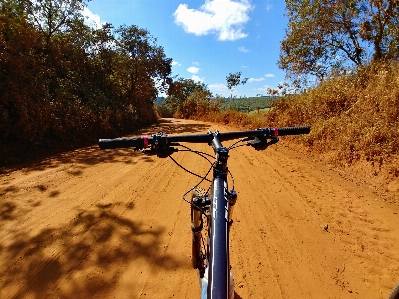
395	293
196	251
196	258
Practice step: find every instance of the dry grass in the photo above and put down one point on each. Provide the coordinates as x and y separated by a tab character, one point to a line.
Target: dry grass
238	119
354	118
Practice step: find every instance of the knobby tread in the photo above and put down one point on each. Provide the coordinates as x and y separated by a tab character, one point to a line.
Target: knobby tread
199	191
395	293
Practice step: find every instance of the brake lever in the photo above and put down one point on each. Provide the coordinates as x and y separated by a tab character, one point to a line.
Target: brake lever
262	144
160	154
247	138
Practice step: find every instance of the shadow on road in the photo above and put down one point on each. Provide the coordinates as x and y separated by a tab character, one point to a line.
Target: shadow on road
88	256
92	155
73	163
236	296
82	259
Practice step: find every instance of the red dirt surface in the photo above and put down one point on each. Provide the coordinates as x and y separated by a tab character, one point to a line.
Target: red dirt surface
112	224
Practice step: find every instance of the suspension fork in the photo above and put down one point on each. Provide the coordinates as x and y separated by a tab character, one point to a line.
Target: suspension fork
200	204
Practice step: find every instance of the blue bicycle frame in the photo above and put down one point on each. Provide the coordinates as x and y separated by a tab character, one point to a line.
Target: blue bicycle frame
218	264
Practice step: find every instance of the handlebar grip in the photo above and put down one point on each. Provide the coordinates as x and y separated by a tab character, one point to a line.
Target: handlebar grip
293	130
121	143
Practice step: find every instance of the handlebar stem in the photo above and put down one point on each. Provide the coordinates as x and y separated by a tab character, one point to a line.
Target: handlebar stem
222	153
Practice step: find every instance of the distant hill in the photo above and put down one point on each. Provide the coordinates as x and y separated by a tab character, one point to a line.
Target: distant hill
247	104
241	104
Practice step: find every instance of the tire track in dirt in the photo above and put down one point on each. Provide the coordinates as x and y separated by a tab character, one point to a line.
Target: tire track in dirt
105	224
354	218
270	203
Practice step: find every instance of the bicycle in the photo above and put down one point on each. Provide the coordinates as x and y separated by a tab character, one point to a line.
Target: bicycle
210	244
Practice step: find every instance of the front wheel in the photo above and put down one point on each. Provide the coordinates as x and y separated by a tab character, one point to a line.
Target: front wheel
197	197
196	250
395	293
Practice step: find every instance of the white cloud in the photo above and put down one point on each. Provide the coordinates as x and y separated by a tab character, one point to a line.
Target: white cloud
225	18
197	78
193	70
268	6
196	63
243	49
92	20
250	80
244	66
175	63
219	88
263	89
269	75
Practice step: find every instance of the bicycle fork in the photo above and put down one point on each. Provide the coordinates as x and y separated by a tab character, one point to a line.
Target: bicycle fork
201	207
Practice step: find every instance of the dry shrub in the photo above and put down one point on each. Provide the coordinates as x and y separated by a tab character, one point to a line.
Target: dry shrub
237	119
354	117
198	105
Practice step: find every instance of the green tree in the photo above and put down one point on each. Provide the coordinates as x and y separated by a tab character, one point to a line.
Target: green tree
325	35
233	80
379	26
198	104
54	16
104	58
180	90
144	69
23	97
62	82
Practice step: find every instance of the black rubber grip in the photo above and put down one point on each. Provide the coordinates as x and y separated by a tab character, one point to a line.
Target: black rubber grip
293	131
121	143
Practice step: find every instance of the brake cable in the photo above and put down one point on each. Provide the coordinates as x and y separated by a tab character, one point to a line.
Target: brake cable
202	154
203	178
233	146
190	172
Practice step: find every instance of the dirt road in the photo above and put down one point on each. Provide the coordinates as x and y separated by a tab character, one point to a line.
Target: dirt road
112	224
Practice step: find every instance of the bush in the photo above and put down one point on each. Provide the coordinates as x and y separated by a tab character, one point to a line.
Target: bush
354	117
198	105
164	110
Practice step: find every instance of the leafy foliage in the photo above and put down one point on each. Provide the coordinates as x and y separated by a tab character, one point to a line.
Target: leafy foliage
198	104
179	92
234	80
252	103
325	36
63	83
52	17
164	110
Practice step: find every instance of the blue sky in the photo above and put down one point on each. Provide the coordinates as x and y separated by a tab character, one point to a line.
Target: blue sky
208	39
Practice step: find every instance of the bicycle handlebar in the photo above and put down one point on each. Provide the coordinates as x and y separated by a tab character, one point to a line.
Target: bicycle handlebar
143	142
121	143
293	131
